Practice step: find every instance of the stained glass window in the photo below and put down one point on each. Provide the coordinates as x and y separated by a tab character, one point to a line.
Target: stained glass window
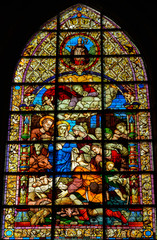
79	153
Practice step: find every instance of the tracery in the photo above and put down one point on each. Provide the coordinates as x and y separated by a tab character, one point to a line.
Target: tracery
79	159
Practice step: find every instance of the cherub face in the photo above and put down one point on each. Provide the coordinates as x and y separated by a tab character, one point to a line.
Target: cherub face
121	128
108	136
109	167
96	149
78	89
76	132
98	133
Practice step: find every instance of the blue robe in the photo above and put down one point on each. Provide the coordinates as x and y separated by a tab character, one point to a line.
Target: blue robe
63	158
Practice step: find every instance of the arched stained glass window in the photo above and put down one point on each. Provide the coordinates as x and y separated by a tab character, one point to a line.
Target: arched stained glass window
79	158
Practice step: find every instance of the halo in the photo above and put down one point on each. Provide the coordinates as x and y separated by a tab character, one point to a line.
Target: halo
64	122
46	117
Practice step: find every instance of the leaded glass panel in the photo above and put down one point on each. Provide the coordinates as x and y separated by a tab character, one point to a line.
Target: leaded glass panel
79	152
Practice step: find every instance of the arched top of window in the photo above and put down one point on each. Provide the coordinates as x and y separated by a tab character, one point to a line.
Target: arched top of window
79	134
100	36
80	17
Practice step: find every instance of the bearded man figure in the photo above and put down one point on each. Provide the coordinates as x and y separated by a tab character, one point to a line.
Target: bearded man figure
79	50
44	132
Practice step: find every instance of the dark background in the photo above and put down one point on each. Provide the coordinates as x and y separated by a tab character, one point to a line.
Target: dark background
19	22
